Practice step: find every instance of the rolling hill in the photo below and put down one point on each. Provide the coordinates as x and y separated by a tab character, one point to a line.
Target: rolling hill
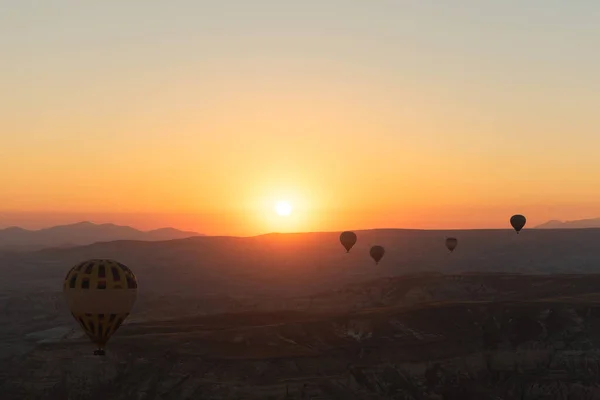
82	233
292	316
310	262
577	224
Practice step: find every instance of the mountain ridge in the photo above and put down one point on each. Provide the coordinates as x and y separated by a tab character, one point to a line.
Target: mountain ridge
81	234
574	224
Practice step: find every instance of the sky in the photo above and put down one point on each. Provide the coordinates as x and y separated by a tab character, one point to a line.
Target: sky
361	114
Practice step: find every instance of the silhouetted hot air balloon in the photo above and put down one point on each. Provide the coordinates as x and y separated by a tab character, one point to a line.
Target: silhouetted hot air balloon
451	243
100	294
518	222
377	253
348	239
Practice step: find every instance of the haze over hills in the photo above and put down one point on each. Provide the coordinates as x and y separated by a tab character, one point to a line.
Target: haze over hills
309	262
82	233
576	224
293	316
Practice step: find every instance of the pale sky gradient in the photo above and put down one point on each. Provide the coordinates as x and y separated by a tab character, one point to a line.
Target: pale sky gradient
201	114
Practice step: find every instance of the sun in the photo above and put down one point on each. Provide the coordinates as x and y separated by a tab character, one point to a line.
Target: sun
283	208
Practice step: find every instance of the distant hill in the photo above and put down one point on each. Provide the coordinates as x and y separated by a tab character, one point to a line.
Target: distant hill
304	263
577	224
82	233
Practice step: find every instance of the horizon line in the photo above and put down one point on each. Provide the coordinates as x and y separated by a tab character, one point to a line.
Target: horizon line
285	232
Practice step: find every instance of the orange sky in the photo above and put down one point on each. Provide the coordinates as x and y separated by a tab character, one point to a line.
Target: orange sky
361	116
248	223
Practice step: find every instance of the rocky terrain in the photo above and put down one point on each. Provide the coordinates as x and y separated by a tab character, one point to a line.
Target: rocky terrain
293	316
421	336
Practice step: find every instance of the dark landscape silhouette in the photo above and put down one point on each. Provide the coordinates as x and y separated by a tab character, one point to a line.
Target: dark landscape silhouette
295	315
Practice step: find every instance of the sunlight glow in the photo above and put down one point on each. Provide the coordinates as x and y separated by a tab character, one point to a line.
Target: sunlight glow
283	208
263	196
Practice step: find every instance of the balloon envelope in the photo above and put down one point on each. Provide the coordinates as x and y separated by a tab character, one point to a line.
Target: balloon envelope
451	243
518	222
377	253
348	239
100	294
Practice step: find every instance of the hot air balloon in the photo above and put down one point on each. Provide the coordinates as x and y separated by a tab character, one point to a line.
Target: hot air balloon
377	253
518	222
451	243
100	294
348	239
